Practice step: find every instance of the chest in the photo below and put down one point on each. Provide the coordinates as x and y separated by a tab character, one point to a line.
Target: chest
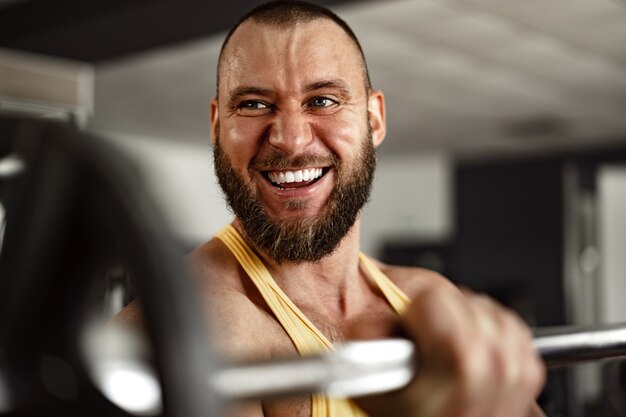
337	329
292	407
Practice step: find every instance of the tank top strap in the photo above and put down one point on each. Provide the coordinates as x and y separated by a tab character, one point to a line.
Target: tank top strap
398	300
304	334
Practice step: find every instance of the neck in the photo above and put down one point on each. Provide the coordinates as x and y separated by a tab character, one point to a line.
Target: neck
333	282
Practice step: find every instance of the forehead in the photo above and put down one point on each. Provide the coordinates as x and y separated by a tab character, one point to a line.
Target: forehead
283	57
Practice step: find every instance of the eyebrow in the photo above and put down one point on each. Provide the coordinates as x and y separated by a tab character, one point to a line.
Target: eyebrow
331	84
239	92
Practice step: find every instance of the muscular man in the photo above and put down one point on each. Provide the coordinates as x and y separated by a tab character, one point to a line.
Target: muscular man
295	125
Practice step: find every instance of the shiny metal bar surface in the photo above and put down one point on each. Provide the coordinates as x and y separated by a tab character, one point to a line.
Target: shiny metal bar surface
354	369
361	368
119	367
567	345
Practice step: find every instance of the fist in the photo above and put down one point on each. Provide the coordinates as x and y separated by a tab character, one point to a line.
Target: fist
475	359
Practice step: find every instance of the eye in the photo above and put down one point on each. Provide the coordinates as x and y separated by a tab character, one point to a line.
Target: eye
252	105
253	108
322	102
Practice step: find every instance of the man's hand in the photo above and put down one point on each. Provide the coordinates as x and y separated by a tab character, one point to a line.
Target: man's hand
475	359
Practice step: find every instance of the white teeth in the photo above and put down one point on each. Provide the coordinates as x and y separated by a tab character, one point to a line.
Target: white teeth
295	176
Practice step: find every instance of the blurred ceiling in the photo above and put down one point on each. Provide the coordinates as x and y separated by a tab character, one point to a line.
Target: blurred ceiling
101	30
468	77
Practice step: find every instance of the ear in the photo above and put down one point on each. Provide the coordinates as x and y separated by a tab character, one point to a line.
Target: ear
376	116
214	115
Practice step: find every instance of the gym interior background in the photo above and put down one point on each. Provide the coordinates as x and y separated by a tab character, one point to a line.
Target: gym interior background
504	166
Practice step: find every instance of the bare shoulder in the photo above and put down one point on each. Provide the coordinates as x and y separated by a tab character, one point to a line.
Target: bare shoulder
240	322
212	265
413	280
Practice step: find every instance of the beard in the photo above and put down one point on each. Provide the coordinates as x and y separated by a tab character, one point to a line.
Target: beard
307	239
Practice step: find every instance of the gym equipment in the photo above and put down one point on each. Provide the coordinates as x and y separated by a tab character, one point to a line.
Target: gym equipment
78	210
75	209
354	369
361	368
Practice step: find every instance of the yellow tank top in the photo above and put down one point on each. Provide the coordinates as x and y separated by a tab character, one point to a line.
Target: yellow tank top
305	336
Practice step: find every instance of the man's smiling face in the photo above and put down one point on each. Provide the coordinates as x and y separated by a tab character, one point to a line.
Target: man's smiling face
293	128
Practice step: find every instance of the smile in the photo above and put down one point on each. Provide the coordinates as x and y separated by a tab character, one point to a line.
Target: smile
296	178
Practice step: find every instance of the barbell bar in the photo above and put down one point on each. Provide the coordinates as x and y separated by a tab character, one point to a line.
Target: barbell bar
371	367
354	369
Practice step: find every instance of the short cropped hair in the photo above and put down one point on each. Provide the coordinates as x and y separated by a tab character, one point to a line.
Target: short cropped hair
284	14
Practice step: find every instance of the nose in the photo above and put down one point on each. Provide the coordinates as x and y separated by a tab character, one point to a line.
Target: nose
290	132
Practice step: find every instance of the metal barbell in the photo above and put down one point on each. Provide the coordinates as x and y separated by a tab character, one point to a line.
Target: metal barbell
354	369
362	368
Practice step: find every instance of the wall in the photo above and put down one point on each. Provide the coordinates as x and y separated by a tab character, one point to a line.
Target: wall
411	201
509	238
612	240
180	178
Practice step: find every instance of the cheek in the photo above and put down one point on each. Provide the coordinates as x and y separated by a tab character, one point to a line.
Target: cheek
240	141
343	135
241	133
